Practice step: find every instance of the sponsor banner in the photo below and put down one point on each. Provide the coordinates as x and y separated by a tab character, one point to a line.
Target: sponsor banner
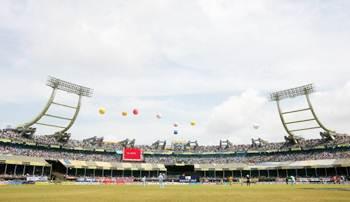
86	179
37	178
104	180
132	154
15	182
28	182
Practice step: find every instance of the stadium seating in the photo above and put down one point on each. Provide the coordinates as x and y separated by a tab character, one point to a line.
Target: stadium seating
42	155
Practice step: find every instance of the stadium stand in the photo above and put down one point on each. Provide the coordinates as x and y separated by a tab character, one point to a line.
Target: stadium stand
42	156
22	166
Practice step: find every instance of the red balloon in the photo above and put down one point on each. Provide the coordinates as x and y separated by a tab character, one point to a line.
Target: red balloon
135	112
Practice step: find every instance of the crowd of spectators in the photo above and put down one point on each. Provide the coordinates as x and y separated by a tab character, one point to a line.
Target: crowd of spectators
54	154
50	154
305	144
50	140
252	159
282	147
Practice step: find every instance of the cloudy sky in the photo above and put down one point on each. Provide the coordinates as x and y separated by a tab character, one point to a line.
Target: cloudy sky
214	62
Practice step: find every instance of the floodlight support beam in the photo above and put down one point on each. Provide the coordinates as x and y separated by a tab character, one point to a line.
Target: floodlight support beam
63	105
291	93
58	117
70	124
42	113
301	121
57	84
315	116
50	125
301	129
282	118
298	110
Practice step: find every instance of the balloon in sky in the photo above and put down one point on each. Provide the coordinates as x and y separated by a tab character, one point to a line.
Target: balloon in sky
176	132
159	116
101	110
135	111
256	126
175	124
193	123
124	113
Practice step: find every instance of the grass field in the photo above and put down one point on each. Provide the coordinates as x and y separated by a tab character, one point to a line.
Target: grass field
256	193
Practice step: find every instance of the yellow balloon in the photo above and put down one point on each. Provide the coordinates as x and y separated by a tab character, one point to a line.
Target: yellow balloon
101	110
124	113
193	123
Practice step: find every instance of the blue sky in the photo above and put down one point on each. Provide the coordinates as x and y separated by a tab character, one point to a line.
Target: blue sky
210	61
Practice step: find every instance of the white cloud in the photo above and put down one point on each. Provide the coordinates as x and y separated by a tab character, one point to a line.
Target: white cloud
233	119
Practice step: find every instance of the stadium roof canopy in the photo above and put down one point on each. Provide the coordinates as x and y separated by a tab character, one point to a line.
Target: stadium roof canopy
23	160
112	165
327	163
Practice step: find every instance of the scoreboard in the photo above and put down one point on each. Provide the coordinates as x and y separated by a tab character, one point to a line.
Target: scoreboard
132	154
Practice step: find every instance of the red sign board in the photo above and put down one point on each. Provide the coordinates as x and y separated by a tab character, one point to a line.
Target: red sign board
132	154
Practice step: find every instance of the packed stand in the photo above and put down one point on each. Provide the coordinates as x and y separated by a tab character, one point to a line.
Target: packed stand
305	144
55	154
252	159
50	140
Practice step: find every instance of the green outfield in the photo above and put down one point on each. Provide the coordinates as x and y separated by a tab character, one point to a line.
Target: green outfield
256	193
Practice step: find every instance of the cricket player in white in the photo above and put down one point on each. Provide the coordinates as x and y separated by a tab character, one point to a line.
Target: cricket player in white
143	180
292	179
161	179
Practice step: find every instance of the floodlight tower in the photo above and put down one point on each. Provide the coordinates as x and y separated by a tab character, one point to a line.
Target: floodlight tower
305	90
58	84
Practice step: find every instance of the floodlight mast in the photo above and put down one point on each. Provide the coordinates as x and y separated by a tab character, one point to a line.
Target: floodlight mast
58	84
292	93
